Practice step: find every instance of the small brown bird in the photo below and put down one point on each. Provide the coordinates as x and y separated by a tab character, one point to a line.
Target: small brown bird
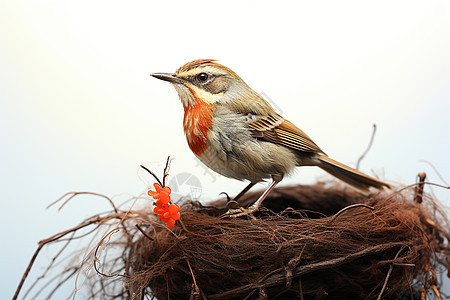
236	133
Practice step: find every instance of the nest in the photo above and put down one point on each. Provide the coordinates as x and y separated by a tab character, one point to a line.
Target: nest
305	246
322	241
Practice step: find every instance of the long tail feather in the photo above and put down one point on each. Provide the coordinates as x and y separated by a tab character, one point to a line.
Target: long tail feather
355	178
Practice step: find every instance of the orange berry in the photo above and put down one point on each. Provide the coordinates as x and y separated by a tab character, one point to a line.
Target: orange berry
174	208
170	223
162	218
153	194
157	187
164	197
175	216
159	210
162	204
167	189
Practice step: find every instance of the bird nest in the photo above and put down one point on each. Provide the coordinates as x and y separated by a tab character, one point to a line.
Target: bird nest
323	241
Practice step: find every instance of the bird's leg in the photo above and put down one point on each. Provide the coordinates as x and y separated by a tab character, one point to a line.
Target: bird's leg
245	190
254	207
233	203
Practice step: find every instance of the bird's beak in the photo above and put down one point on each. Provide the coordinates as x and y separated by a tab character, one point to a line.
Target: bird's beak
172	78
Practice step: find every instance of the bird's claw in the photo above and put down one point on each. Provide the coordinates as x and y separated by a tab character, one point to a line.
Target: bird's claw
239	212
226	195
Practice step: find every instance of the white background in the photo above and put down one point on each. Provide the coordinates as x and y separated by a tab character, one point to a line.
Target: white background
79	111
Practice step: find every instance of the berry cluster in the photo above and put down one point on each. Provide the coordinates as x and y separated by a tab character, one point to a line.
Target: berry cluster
167	211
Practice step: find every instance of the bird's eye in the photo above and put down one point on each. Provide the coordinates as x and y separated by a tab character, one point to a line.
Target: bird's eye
202	77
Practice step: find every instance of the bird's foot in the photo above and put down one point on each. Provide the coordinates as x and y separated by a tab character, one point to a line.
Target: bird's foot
241	211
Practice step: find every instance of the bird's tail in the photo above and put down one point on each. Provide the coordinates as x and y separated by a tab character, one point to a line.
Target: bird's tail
355	178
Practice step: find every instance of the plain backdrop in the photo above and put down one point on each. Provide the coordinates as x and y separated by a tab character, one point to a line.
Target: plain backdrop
79	111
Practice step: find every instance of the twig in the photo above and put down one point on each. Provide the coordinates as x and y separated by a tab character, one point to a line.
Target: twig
435	170
74	194
447	187
195	293
166	171
47	269
398	192
291	265
368	147
144	233
403	264
46	241
97	249
192	273
350	207
300	289
418	193
391	267
153	174
436	292
64	280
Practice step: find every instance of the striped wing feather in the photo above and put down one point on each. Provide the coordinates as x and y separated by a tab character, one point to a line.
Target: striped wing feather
277	130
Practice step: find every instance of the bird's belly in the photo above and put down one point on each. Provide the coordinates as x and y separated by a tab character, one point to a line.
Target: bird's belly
234	153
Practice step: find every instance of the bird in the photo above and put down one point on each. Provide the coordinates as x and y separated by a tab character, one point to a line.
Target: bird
235	132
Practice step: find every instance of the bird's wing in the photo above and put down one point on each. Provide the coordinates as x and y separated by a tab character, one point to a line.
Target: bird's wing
275	129
269	126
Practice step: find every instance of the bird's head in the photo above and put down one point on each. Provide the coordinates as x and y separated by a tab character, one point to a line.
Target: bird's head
207	81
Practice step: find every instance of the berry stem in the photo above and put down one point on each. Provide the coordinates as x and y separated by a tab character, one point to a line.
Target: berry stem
153	174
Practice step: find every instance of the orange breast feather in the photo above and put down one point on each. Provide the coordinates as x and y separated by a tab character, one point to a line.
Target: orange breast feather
197	121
